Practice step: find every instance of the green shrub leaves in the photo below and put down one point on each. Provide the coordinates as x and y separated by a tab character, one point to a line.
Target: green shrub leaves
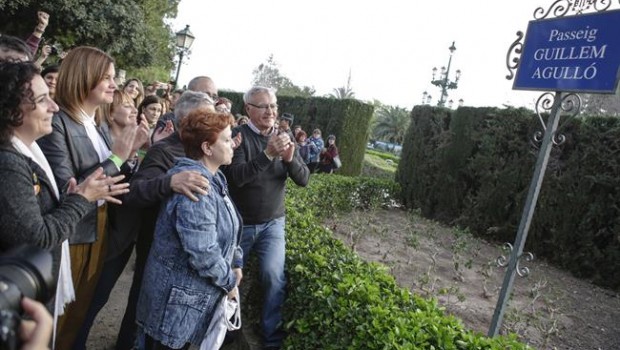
337	301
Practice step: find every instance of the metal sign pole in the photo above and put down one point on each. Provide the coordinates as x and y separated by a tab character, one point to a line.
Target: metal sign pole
547	62
528	213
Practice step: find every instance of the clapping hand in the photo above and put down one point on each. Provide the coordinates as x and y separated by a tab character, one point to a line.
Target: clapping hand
162	133
237	141
98	186
278	146
142	134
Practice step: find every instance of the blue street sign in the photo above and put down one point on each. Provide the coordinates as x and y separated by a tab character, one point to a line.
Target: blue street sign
576	53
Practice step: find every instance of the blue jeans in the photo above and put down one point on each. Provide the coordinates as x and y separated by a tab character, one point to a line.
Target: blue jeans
267	242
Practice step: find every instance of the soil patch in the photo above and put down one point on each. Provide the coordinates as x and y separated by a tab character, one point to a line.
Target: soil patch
549	309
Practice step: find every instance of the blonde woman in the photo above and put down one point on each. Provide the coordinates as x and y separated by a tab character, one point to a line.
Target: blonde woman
77	146
122	226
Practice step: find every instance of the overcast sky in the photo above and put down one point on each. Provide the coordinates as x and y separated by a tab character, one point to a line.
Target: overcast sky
390	46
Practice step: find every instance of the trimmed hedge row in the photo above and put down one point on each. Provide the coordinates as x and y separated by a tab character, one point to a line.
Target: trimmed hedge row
347	119
384	155
473	167
337	301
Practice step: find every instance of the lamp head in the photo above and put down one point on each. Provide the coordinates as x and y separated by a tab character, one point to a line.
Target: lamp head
185	38
452	48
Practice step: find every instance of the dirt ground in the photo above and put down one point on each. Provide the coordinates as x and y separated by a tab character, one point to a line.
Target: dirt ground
550	309
103	334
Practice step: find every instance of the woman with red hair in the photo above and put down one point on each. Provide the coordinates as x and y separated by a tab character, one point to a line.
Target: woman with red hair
191	264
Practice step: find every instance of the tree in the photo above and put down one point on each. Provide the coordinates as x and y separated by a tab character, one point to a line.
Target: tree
597	104
391	124
268	74
133	32
344	91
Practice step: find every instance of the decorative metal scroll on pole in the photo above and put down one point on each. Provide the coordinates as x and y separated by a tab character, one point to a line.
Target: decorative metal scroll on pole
565	54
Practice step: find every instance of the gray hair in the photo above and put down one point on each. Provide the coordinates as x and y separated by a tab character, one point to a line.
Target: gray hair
15	46
259	90
189	101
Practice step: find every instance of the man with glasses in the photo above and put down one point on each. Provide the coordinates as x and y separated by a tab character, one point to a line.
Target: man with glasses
257	178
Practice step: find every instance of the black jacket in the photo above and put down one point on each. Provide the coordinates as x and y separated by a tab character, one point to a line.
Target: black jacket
150	185
29	210
71	154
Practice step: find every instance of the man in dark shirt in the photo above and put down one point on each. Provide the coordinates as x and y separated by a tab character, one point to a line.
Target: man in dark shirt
257	179
149	187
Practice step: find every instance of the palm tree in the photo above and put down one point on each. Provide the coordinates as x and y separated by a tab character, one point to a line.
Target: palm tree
345	91
391	124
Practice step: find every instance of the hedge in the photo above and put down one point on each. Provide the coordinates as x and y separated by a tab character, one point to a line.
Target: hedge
473	167
337	301
347	119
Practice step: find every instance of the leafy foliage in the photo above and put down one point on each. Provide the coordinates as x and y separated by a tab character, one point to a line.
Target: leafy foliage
134	32
473	167
601	105
344	92
384	155
268	74
377	167
337	301
391	124
347	119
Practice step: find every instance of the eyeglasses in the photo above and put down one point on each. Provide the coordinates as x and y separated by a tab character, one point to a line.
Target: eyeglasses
273	106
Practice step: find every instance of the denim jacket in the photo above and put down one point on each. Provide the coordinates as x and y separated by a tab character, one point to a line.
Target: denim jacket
189	268
316	152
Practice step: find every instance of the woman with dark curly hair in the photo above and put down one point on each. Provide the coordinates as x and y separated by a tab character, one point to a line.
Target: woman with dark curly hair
32	208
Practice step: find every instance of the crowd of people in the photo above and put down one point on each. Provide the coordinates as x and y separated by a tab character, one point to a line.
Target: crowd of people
95	168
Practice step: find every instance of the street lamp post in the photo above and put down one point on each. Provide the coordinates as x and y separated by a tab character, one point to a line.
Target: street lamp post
443	81
185	39
426	98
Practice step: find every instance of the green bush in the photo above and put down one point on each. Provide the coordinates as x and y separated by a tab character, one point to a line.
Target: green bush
384	155
347	119
378	167
419	165
337	301
473	167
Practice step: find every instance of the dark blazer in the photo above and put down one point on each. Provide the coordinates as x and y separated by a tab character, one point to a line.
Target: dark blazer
150	185
71	154
29	210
